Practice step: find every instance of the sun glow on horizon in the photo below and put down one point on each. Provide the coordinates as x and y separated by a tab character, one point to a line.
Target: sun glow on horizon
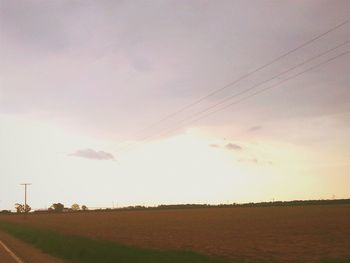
190	167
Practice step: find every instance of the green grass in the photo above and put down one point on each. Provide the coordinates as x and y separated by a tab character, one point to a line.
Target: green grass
80	249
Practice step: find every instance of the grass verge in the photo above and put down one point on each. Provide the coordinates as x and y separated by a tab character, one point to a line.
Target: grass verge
81	249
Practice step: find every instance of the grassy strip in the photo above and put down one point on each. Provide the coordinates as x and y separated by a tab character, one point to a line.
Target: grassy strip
80	249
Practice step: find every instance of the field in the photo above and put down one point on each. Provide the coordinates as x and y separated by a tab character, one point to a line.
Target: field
281	234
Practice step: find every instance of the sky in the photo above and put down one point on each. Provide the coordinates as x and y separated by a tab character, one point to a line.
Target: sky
88	92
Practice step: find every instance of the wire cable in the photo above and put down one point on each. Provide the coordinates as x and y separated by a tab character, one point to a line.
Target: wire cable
261	83
245	76
263	90
252	95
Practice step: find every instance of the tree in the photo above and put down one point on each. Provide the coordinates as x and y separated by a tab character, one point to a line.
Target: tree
57	207
84	208
75	207
27	209
22	208
18	208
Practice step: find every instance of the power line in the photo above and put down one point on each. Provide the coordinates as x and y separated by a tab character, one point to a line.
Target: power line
264	89
233	83
268	80
255	86
251	95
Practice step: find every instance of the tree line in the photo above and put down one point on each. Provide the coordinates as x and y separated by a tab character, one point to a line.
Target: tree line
59	207
56	207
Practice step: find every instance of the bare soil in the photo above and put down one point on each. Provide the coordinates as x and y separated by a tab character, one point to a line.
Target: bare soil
285	234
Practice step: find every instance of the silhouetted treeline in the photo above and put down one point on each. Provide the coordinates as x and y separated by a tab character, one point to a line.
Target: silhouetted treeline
60	208
261	204
298	203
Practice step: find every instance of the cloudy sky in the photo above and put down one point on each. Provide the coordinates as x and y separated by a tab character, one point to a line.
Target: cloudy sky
88	92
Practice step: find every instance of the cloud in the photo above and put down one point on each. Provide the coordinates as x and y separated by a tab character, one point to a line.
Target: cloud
231	146
92	154
254	128
214	145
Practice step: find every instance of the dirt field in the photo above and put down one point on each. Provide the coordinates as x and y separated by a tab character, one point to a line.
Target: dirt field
286	234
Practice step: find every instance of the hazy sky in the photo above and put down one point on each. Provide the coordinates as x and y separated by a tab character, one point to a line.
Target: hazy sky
81	80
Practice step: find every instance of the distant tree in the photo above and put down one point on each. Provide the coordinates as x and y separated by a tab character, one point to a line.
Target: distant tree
75	207
84	208
27	209
19	208
22	208
57	207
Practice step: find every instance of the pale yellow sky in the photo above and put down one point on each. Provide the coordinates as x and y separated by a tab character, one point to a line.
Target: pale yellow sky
191	167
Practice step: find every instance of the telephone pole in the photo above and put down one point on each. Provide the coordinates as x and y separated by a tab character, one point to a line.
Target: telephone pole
25	196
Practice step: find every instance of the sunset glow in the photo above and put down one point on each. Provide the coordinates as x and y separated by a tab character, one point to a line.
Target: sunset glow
84	94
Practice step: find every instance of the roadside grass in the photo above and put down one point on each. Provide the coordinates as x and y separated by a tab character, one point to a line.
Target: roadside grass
81	249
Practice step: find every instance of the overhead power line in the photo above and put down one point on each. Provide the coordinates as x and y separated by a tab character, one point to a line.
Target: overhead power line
193	120
250	88
228	98
245	76
260	91
231	84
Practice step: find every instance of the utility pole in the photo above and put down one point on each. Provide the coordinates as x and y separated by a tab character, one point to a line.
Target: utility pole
25	196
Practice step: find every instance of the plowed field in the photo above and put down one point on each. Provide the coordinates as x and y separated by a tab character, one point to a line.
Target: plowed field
285	234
